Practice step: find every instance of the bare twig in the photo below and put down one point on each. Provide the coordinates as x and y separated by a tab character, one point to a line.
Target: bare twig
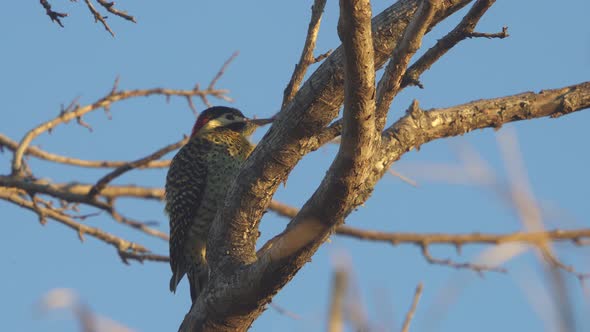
110	7
98	17
479	268
125	248
501	35
390	83
104	181
554	262
284	311
411	312
39	153
403	177
425	240
464	29
222	70
53	15
141	226
79	194
310	229
306	58
101	103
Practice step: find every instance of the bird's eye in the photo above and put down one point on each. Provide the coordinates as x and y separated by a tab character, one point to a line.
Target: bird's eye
230	117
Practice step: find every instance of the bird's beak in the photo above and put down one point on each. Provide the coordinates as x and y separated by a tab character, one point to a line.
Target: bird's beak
260	122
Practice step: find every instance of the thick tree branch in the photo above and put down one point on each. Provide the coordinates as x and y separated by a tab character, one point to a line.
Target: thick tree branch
327	206
233	235
293	134
418	127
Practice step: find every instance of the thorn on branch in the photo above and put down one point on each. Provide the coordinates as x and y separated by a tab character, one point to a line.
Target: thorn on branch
414	110
115	86
189	99
83	124
70	108
107	111
37	209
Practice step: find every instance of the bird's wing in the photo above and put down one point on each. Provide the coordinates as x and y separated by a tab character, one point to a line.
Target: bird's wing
185	184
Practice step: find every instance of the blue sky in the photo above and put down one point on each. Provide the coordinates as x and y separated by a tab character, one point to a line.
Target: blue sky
177	45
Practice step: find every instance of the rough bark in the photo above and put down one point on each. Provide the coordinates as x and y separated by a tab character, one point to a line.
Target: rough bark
244	281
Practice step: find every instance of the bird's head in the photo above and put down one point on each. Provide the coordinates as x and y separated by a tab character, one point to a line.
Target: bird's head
221	117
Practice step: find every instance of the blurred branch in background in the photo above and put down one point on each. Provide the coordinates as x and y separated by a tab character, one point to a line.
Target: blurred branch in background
339	288
68	299
412	310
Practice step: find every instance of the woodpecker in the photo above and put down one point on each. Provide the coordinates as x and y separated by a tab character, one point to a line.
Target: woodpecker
196	184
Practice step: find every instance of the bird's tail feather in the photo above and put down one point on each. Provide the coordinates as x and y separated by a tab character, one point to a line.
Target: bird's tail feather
175	279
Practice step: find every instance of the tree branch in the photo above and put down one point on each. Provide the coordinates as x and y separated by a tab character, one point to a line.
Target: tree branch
56	158
110	7
78	193
53	15
465	29
329	204
98	17
418	127
293	134
306	58
339	287
390	83
412	311
104	181
126	249
233	235
105	102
